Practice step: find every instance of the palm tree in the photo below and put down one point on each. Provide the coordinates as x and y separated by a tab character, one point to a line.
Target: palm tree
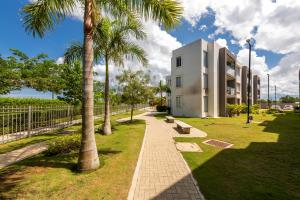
161	89
112	44
42	15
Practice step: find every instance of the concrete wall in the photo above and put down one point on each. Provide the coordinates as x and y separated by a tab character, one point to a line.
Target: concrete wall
191	75
213	79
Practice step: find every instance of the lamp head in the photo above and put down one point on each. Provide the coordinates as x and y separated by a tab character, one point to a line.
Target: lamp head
248	41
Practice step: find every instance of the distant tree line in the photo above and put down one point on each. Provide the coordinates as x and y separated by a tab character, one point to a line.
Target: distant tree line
284	99
45	75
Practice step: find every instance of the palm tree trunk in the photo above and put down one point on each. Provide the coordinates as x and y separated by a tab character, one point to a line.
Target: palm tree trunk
88	154
160	93
106	124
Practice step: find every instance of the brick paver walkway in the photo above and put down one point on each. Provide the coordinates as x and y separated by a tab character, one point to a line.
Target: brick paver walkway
20	154
161	172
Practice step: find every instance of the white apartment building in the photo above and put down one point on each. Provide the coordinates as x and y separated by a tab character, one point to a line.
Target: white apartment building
205	77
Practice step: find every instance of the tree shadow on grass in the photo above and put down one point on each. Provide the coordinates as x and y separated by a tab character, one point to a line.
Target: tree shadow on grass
261	171
13	176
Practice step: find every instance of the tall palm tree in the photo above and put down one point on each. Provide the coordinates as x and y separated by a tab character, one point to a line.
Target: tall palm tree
112	44
42	15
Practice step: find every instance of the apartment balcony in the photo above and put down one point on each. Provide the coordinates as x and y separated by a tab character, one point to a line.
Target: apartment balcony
230	71
230	91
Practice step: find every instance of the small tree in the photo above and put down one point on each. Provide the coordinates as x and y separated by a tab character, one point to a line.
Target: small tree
9	76
135	88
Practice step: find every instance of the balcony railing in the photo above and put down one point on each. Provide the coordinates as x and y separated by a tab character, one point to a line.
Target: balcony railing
230	91
230	71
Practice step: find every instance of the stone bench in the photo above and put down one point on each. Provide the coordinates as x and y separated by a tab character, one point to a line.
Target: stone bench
185	128
170	119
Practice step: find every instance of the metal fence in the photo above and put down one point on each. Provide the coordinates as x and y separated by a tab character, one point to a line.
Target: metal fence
18	122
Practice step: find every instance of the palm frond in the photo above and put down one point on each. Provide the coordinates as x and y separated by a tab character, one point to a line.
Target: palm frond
73	53
166	12
42	15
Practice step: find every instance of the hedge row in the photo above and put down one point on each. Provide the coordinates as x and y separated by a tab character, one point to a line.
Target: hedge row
236	109
9	101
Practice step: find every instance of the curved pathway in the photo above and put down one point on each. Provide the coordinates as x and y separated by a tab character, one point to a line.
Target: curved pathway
161	172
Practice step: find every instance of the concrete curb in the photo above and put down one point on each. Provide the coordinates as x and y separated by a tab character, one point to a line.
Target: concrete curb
137	168
193	179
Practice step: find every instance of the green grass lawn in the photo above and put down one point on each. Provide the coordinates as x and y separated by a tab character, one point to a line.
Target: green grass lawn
264	162
42	177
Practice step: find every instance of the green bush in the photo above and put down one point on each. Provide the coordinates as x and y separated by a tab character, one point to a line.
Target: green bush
9	101
162	108
63	145
231	109
236	109
255	108
244	108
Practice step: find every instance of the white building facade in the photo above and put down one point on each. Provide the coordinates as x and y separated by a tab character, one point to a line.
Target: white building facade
205	77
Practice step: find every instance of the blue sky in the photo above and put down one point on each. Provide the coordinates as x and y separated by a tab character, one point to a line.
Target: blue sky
203	23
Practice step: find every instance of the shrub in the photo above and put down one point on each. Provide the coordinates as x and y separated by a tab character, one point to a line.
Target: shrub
239	108
162	108
231	109
63	145
255	109
236	109
244	108
9	101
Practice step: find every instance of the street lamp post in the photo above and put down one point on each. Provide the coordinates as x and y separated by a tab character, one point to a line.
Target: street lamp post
268	91
275	97
249	79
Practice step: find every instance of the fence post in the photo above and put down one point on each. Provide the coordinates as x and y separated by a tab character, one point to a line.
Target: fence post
68	115
29	121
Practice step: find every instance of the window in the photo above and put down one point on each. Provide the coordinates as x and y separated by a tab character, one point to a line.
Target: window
178	61
178	101
205	59
178	81
205	81
205	101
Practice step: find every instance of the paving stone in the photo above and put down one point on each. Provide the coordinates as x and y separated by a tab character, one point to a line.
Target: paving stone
188	147
162	166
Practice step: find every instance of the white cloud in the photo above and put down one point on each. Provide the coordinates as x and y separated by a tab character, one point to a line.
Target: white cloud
286	75
277	23
60	60
222	42
203	27
274	26
279	32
